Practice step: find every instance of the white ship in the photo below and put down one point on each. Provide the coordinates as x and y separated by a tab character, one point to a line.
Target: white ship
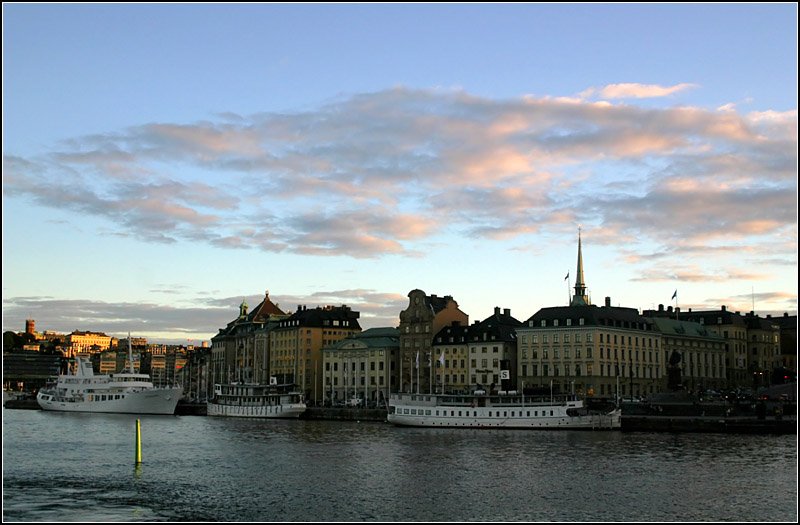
499	411
254	400
122	393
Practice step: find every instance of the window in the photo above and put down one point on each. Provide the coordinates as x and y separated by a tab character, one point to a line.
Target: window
569	322
544	323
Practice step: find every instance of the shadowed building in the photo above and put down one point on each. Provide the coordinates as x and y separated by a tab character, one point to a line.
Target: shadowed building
419	322
240	351
362	366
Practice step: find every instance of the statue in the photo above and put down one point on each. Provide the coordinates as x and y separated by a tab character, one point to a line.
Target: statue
674	371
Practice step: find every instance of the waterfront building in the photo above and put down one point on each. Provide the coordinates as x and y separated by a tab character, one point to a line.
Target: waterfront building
763	348
583	348
296	344
240	351
730	326
492	351
419	322
702	354
361	366
788	338
452	365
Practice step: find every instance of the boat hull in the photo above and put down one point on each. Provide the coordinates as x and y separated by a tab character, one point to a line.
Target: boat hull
480	419
500	411
283	411
161	401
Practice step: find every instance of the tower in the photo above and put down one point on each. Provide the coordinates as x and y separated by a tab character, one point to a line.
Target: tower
580	298
30	326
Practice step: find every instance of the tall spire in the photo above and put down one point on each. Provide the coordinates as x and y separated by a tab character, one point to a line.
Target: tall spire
580	297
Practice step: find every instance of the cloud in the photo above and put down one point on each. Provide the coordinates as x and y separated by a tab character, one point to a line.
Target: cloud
174	324
634	90
382	173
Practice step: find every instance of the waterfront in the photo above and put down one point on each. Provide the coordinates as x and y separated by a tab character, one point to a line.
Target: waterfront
79	467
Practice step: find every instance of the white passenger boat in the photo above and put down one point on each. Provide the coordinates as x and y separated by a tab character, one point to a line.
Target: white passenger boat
254	400
499	411
122	393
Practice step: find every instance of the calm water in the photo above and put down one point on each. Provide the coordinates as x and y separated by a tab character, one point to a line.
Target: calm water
73	467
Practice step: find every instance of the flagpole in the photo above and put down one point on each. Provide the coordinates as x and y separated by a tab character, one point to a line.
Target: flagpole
675	295
568	288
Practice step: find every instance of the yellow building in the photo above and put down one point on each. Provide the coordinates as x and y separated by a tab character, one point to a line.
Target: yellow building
295	345
87	342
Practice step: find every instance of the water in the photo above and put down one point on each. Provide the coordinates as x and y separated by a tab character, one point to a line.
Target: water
80	467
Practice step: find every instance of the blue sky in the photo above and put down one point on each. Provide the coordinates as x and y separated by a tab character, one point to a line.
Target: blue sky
161	162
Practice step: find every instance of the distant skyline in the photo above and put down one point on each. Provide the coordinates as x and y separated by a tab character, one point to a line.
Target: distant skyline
162	162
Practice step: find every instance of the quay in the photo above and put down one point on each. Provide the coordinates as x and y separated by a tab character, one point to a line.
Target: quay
346	414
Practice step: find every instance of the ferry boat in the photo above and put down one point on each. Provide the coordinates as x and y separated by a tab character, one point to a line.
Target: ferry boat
255	400
121	393
508	410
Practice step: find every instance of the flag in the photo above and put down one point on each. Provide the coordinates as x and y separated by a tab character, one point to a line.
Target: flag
441	359
567	277
417	358
675	294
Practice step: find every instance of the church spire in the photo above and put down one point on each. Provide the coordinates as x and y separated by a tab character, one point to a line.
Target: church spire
580	297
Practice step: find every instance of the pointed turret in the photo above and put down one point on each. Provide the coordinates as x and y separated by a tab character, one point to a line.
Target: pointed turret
580	298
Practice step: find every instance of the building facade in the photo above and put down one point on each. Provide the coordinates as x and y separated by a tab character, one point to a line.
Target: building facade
87	342
590	350
240	352
492	352
362	367
702	354
452	365
296	344
419	322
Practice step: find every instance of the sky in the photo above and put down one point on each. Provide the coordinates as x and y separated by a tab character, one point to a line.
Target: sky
164	162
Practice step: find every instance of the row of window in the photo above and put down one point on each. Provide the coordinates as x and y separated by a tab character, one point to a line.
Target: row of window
353	381
466	413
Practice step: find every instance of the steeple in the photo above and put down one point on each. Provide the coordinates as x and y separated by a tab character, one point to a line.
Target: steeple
243	308
580	298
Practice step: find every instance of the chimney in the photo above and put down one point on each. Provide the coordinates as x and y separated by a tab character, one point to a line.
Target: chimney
669	309
496	310
723	308
507	311
608	301
661	308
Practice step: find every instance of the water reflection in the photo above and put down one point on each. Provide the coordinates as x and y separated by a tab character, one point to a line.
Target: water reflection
66	467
